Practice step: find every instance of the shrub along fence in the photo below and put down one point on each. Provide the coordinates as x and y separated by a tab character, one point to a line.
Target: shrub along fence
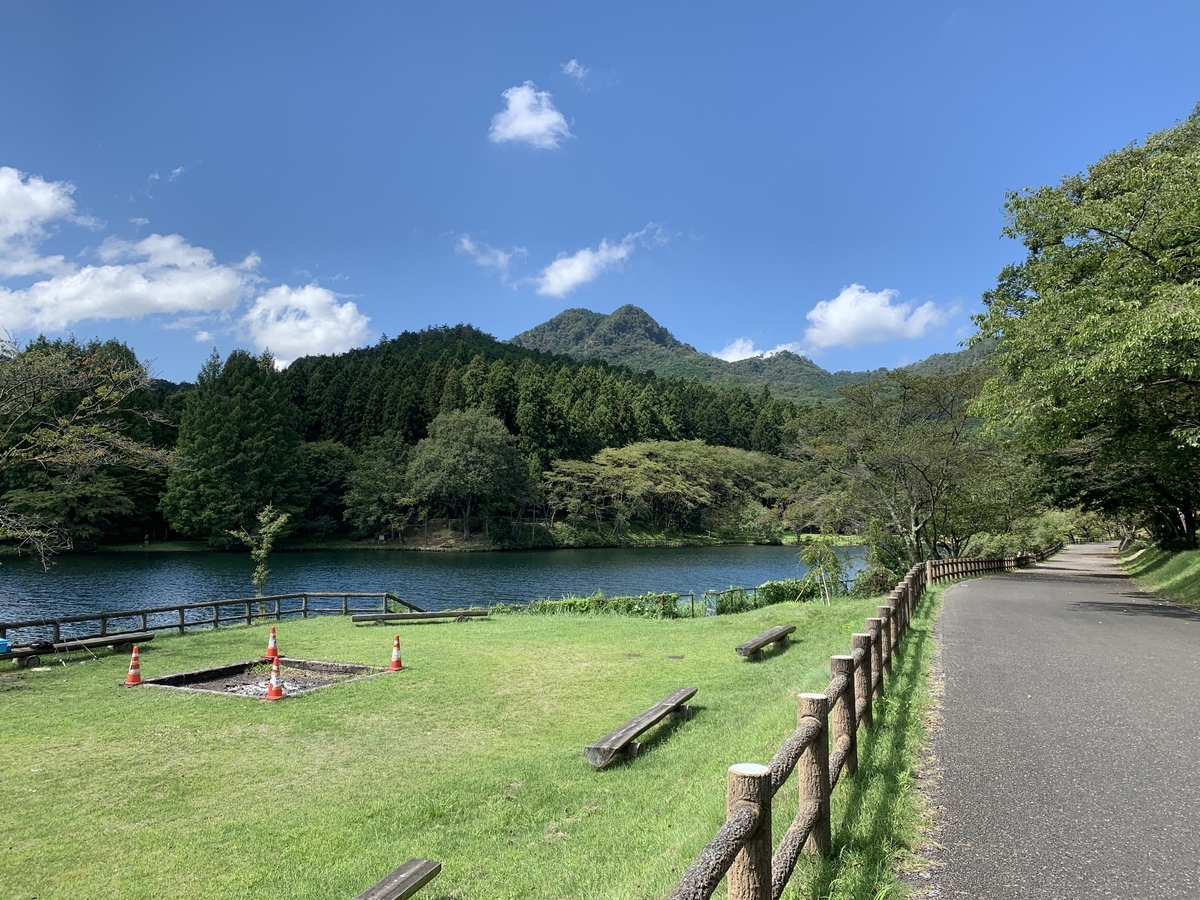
823	747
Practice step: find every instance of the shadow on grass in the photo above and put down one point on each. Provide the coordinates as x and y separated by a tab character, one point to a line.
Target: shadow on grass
877	812
649	739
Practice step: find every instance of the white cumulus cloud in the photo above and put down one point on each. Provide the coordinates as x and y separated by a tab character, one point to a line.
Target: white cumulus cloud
294	322
529	117
743	348
569	272
28	203
158	274
859	316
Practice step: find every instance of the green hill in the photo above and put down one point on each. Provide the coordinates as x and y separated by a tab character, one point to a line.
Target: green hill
631	337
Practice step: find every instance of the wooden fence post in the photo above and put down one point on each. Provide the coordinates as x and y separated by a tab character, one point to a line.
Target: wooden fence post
885	637
812	771
181	620
749	878
875	628
843	721
862	675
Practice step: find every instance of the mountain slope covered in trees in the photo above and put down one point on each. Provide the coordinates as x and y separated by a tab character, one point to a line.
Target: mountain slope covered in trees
629	336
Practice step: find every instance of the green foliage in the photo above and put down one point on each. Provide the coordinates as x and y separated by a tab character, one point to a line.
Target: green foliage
1099	330
676	485
468	461
888	561
261	542
826	569
377	498
789	590
71	417
647	606
238	450
327	466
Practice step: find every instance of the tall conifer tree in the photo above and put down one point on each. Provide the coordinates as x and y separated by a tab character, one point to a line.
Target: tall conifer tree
238	449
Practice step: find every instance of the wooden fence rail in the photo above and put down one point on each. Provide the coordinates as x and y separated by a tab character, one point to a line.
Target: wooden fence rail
182	616
823	747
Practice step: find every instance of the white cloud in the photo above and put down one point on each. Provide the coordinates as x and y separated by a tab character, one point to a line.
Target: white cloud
175	173
158	274
295	322
530	117
575	69
569	272
203	337
739	348
27	205
858	316
743	348
487	256
139	221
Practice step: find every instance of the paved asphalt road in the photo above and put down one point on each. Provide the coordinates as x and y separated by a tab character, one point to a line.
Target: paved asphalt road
1068	753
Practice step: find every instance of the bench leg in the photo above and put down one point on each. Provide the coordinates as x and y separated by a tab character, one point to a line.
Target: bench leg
757	656
682	712
632	749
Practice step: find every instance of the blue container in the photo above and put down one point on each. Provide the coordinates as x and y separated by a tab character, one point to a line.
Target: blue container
3	645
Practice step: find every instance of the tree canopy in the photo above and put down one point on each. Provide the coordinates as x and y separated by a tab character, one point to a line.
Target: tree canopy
1099	332
238	450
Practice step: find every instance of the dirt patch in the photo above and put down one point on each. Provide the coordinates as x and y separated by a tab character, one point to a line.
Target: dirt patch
251	678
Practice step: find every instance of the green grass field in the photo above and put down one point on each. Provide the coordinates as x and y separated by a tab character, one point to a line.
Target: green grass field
472	756
1172	574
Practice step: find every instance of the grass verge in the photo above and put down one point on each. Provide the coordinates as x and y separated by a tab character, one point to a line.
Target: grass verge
472	756
1171	574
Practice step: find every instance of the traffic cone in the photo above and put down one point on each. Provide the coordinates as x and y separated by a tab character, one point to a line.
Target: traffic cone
134	677
275	685
396	665
272	647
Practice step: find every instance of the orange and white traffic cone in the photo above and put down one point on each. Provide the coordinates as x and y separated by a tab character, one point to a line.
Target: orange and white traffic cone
396	665
272	647
134	677
275	685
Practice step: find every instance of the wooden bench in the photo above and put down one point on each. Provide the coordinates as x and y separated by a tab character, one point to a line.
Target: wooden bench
30	658
415	616
404	881
620	743
753	648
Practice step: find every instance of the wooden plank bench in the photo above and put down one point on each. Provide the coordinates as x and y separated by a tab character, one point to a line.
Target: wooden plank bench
403	881
753	648
620	743
30	658
415	616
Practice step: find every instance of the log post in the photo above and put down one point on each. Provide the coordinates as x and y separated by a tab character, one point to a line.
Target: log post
862	675
885	637
181	620
749	878
875	627
812	771
896	602
842	719
304	606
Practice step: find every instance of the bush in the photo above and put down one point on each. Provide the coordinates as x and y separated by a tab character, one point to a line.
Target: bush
790	590
647	606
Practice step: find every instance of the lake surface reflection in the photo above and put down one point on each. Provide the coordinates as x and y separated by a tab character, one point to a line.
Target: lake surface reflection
116	581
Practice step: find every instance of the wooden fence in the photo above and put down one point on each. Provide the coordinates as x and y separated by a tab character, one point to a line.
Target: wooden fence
823	747
206	614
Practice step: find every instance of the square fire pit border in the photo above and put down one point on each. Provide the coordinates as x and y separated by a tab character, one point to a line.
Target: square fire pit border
194	679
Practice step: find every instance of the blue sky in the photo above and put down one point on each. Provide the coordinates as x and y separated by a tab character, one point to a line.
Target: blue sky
307	177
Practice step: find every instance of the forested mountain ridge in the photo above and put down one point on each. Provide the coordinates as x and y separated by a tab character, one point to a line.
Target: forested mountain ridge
629	336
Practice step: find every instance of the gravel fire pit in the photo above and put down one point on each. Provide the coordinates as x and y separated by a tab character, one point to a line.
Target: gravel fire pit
250	678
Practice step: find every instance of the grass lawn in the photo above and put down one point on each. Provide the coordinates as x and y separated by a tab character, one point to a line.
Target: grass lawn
1173	574
472	756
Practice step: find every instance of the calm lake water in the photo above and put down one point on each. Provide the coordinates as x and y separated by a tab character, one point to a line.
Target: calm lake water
118	581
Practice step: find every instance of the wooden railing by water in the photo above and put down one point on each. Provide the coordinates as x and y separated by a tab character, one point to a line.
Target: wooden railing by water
205	614
823	747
